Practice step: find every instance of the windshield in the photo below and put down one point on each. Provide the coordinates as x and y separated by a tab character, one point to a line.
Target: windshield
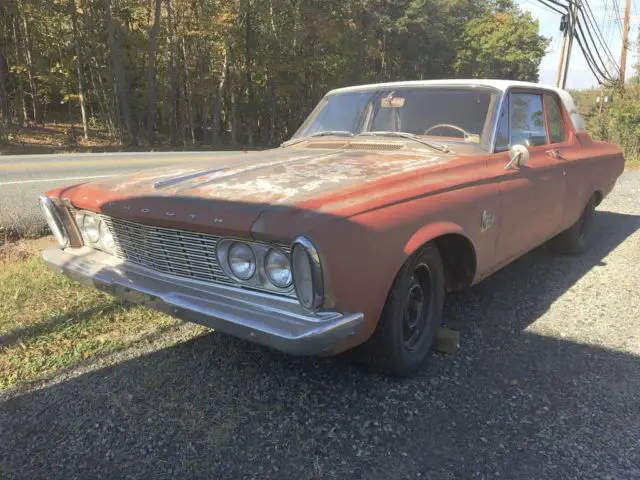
441	114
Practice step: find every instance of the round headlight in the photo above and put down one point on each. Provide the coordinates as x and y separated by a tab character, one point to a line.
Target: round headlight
242	260
106	238
307	274
54	221
278	268
90	226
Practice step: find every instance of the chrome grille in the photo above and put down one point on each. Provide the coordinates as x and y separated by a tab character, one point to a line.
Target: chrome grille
170	250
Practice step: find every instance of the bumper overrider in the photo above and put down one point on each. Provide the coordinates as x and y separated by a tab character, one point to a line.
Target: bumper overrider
268	319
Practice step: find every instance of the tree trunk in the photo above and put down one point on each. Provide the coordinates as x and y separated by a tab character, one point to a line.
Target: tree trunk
19	62
272	111
79	65
247	69
4	96
171	80
188	93
107	114
203	105
151	75
232	100
30	71
215	121
118	71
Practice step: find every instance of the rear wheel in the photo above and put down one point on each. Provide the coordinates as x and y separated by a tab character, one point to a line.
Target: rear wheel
410	319
575	239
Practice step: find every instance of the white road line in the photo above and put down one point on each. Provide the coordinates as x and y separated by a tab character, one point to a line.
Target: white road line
18	182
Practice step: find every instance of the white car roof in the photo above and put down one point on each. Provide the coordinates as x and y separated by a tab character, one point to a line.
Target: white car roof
501	85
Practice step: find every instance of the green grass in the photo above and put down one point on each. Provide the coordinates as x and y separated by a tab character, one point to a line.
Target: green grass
632	162
49	323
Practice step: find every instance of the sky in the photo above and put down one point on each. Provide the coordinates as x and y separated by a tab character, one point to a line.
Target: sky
605	12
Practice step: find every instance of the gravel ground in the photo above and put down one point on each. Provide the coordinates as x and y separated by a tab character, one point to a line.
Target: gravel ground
546	385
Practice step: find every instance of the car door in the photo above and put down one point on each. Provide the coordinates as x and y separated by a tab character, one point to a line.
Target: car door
531	196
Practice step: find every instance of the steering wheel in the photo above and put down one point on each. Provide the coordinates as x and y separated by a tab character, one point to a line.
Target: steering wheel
447	125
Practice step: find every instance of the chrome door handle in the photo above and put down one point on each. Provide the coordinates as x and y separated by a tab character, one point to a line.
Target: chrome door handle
554	153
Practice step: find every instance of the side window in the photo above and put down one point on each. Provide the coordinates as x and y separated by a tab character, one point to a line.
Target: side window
557	129
527	119
502	134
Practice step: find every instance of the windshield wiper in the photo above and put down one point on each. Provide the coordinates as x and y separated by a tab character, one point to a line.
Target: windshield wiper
324	133
410	136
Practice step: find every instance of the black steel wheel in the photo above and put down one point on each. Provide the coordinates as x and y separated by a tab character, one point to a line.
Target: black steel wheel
575	240
411	317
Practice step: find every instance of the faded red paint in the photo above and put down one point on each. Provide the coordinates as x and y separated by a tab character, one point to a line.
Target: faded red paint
367	211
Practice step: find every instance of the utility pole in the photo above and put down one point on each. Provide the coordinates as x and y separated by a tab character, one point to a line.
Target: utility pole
569	33
625	41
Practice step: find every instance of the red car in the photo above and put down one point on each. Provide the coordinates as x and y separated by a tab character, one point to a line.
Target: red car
351	233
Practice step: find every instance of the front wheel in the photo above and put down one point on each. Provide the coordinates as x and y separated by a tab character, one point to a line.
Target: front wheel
411	316
575	240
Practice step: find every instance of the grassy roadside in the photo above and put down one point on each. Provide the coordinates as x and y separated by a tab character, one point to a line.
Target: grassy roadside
632	162
48	323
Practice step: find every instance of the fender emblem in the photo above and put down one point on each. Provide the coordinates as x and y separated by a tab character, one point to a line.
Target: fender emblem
487	221
218	220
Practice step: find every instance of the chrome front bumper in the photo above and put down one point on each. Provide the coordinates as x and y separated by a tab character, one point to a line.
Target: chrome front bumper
271	320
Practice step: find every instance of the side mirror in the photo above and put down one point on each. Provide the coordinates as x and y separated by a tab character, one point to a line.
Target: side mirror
518	157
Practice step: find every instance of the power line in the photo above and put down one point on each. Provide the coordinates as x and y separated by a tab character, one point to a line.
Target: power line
589	57
597	30
563	8
616	5
547	9
555	9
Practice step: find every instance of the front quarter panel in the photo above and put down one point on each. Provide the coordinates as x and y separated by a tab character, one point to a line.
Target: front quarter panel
362	254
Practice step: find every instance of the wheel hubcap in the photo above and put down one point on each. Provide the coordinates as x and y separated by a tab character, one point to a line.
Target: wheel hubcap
417	311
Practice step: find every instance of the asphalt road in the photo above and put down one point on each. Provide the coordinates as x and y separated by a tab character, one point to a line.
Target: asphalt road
24	177
546	385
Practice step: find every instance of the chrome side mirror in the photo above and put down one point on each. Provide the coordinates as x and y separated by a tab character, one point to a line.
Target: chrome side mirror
518	157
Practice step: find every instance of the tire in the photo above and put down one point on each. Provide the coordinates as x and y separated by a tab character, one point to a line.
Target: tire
575	240
407	328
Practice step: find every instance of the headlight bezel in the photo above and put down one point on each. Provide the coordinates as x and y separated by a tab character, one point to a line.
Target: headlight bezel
312	256
54	220
260	279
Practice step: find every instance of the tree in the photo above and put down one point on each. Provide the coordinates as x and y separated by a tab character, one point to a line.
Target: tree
79	67
501	43
119	74
230	72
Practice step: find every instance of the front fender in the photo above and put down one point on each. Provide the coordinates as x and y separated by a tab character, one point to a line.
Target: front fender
427	233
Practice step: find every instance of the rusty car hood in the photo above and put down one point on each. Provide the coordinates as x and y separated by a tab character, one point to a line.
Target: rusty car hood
231	195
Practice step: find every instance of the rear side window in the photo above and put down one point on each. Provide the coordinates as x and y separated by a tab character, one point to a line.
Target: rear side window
527	119
557	129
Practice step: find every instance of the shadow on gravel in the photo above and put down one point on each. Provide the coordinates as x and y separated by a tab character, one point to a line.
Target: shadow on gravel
510	403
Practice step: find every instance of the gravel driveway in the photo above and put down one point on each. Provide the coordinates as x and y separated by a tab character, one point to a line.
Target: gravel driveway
546	385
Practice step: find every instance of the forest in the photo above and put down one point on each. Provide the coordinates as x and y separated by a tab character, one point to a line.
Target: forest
175	73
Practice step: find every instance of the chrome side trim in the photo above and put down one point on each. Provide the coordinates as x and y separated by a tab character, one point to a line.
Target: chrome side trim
272	320
183	178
